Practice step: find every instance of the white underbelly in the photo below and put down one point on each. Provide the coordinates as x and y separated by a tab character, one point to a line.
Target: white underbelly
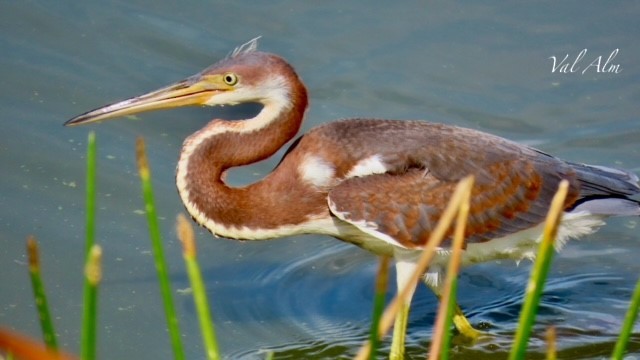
524	244
517	246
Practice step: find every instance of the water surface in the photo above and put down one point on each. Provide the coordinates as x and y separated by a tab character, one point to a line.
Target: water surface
484	66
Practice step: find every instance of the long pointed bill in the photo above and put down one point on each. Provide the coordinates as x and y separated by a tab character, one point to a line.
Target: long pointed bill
186	92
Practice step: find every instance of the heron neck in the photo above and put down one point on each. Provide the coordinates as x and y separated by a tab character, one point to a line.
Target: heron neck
229	211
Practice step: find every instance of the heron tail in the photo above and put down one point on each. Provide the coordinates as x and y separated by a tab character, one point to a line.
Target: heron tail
607	191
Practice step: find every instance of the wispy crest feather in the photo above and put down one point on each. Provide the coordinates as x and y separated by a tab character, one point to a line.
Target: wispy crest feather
246	48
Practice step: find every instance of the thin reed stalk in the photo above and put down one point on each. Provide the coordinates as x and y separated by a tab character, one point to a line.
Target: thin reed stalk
158	253
88	336
382	281
552	352
539	273
93	276
442	330
90	230
46	323
187	238
627	325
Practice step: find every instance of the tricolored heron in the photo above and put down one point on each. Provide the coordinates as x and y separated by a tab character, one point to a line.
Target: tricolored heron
378	184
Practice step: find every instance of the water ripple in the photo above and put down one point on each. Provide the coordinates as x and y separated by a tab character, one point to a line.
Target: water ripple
318	305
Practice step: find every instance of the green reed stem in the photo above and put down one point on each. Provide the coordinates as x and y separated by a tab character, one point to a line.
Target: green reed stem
539	274
187	238
158	254
46	323
93	276
382	280
91	193
448	323
627	326
88	340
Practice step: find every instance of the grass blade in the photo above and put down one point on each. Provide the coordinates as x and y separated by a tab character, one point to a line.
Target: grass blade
442	330
187	238
451	305
539	273
627	326
382	280
90	293
552	353
158	253
46	323
91	193
93	276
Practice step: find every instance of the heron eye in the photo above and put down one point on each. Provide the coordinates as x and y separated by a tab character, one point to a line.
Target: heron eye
230	79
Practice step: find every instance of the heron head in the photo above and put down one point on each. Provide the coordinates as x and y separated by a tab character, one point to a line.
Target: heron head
246	75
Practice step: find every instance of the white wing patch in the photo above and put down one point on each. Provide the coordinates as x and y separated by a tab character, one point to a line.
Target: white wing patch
368	166
316	171
368	227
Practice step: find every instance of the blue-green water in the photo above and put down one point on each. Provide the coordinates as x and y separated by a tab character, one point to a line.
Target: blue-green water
484	66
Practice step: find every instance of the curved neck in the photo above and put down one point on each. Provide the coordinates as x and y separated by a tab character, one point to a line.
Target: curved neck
237	212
